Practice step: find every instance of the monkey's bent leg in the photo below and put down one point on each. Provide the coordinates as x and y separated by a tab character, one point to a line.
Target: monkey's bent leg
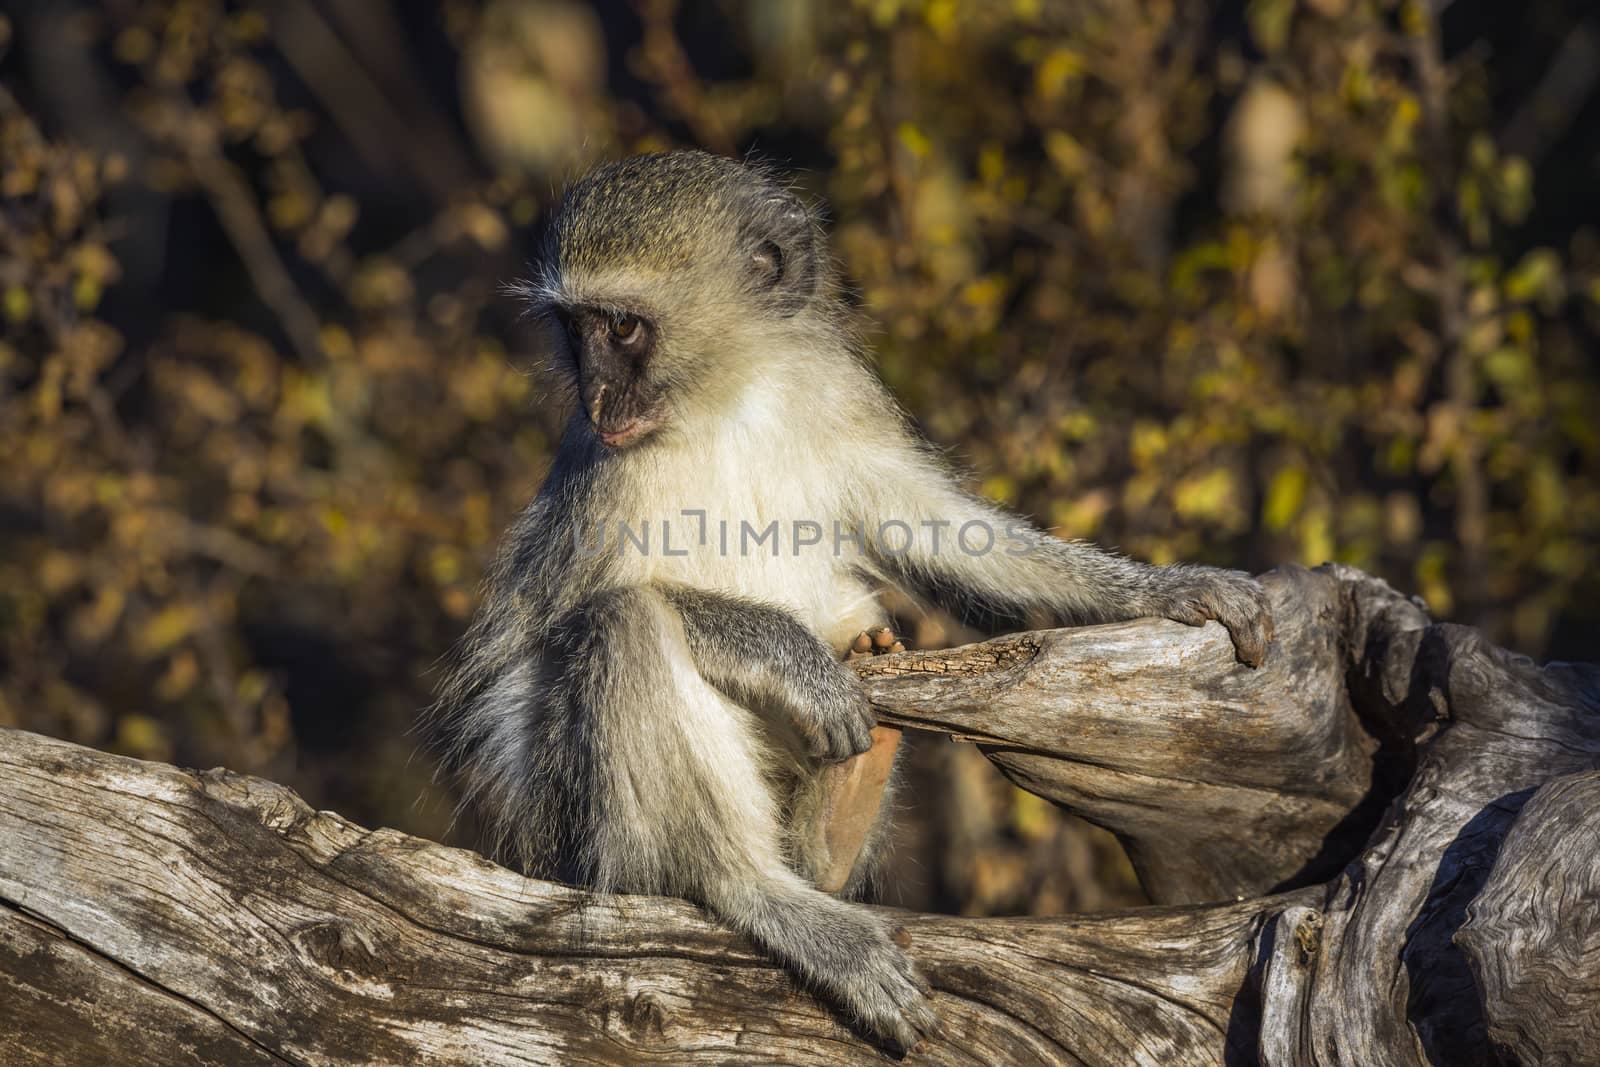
682	805
764	657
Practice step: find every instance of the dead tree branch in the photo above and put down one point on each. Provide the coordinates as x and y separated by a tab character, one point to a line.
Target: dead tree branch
1413	896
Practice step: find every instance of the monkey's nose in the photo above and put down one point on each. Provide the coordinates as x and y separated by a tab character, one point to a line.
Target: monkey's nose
596	403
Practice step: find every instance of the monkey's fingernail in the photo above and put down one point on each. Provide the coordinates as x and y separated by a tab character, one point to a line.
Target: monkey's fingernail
901	936
862	643
853	655
882	637
898	646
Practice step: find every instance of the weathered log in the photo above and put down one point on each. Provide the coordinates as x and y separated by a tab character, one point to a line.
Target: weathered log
160	916
1533	935
1222	781
154	915
1384	981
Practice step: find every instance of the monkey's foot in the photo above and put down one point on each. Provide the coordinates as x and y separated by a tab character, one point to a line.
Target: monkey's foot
879	987
878	641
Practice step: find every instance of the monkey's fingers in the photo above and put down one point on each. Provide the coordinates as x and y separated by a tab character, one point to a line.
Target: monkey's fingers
1251	637
836	738
875	983
1234	599
898	1009
1242	607
1190	613
851	739
836	719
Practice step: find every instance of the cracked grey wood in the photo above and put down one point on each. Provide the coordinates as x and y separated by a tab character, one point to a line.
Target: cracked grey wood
154	915
1383	980
1222	781
1532	935
162	909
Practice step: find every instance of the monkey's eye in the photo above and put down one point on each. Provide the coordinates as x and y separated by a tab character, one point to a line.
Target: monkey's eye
627	329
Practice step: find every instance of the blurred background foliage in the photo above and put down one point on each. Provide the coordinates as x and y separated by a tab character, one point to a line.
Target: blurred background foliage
1242	282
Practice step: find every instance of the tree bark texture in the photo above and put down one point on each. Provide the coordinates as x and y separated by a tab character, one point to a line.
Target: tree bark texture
1378	848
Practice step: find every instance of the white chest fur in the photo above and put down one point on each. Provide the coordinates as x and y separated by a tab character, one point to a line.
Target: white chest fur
754	512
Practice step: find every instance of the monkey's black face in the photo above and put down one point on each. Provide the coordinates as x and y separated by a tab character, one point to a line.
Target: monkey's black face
610	353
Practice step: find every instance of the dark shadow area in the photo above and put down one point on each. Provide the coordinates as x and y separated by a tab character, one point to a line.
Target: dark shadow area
1398	728
1243	1048
1444	1004
1392	766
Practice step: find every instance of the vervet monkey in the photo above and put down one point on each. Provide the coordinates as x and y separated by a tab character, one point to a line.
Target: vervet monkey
652	716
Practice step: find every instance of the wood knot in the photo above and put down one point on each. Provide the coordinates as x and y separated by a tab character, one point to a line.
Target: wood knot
643	1013
341	950
1308	937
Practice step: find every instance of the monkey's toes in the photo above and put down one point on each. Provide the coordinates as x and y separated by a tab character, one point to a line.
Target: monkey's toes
890	1001
878	641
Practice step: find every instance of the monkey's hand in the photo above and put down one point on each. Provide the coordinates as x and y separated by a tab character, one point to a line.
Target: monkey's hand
835	718
764	657
1194	594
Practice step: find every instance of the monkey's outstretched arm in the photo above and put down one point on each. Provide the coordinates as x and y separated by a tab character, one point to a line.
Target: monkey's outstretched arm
763	657
982	561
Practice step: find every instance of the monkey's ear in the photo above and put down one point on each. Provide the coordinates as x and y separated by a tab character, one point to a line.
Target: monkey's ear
783	253
767	262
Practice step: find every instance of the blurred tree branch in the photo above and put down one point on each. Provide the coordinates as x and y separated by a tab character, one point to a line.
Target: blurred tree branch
235	204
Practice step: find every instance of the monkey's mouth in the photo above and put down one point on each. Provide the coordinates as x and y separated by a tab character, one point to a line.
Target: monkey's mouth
627	418
626	434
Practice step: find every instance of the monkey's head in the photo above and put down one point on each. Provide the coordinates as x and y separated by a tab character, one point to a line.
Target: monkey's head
669	280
